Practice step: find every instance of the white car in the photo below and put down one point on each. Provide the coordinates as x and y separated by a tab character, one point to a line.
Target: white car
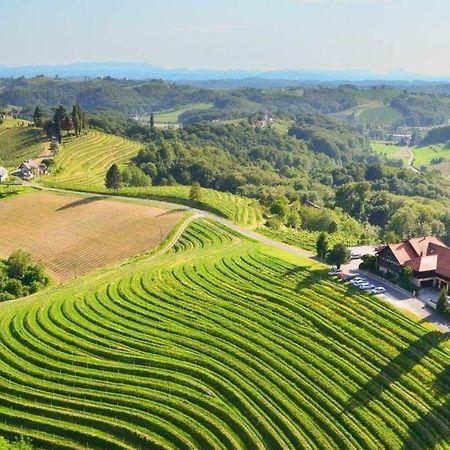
364	285
358	281
369	288
378	290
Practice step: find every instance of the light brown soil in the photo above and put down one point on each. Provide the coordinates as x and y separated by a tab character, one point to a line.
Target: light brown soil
75	235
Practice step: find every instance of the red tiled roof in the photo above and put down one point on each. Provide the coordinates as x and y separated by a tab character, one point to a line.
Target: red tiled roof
424	254
423	263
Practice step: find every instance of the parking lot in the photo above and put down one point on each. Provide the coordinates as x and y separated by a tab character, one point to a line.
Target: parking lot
397	296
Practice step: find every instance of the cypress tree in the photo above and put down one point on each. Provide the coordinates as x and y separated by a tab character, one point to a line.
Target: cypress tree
442	303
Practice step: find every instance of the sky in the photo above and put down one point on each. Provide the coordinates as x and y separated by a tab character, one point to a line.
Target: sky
375	35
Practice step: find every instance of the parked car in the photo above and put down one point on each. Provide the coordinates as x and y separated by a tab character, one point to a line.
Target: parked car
334	272
356	255
378	290
369	288
352	276
357	281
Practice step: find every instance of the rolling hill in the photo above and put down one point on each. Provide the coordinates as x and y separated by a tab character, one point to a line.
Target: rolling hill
219	343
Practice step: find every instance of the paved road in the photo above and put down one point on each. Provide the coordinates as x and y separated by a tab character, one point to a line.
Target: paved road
395	296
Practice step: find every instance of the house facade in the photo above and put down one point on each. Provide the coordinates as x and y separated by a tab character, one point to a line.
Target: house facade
427	257
29	169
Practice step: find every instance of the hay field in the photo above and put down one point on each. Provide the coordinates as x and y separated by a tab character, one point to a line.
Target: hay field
75	235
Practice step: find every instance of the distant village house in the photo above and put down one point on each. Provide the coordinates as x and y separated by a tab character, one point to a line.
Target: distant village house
428	258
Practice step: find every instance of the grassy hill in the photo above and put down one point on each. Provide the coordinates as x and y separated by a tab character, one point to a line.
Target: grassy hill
220	343
19	142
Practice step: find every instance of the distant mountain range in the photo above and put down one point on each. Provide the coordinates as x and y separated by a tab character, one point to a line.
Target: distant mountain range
148	71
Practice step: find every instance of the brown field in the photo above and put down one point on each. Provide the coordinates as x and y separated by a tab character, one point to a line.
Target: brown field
75	235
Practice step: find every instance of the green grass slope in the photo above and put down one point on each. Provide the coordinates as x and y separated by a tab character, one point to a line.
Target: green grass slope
424	156
221	343
172	115
383	115
19	143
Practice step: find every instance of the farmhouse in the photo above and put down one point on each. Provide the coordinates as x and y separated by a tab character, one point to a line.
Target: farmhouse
428	257
28	169
3	174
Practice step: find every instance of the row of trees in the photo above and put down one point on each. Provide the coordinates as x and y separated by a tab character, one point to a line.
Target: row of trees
75	121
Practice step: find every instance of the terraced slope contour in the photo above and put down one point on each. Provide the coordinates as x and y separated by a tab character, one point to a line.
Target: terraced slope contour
219	344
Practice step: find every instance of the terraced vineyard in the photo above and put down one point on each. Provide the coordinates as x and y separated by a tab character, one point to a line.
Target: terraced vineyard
85	160
221	343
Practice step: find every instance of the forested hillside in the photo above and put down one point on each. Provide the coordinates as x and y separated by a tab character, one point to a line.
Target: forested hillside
378	104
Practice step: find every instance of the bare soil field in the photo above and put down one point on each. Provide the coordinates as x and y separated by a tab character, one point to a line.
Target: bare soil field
75	235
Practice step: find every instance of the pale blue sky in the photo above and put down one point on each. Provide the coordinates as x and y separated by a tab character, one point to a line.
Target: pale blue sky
376	35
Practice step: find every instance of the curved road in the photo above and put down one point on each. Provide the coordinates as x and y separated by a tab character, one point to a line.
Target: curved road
395	296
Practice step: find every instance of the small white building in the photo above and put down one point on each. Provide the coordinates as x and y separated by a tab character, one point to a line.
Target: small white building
3	174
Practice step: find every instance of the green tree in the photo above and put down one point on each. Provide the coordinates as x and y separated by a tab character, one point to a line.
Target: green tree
113	178
77	119
152	121
442	303
322	245
339	255
59	120
38	117
195	193
280	207
17	264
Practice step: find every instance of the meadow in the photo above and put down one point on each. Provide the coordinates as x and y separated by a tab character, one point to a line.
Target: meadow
390	151
171	116
75	235
221	343
423	156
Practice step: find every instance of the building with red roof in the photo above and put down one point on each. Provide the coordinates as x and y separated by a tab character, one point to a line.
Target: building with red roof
428	257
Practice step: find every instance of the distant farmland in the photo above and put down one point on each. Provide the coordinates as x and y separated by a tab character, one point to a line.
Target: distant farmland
75	235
